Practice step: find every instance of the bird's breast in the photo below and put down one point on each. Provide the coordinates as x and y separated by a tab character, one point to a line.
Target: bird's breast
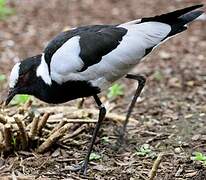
68	91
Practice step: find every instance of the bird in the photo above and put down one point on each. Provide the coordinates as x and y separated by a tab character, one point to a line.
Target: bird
86	60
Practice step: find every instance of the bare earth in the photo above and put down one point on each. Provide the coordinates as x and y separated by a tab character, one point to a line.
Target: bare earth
170	114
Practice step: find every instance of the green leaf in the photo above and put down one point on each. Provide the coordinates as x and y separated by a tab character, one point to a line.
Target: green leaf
115	90
105	139
2	77
94	156
2	3
144	150
199	156
158	76
20	99
13	141
4	10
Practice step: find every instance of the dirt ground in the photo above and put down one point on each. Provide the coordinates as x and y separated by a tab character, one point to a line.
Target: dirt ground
170	114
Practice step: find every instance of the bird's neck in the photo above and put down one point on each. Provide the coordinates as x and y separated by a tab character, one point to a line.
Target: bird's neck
61	93
41	90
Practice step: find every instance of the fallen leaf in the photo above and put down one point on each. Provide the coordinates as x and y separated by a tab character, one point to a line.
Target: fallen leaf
165	55
174	82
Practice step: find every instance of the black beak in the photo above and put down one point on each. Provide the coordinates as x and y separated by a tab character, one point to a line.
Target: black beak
12	93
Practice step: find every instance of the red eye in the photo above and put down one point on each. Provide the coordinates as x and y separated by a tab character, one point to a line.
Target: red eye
21	76
23	79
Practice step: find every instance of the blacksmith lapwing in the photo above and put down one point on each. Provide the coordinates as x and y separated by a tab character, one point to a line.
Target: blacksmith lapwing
84	61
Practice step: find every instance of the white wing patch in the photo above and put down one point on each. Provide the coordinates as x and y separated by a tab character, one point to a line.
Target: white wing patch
148	34
66	60
43	71
130	51
14	76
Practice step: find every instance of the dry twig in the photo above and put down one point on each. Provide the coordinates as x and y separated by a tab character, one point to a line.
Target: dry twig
61	123
119	118
7	137
28	104
2	147
33	128
2	119
1	136
155	166
22	177
23	133
75	133
80	103
65	121
74	113
42	122
26	107
53	138
74	121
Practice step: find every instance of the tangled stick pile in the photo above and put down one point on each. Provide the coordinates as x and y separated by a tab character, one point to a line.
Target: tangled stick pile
29	129
22	130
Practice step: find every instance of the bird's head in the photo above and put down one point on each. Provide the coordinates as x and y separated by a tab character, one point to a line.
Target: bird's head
23	77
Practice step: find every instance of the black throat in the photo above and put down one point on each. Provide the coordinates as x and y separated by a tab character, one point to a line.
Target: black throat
65	92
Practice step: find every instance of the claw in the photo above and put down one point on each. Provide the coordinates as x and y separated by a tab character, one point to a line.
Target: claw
82	168
121	138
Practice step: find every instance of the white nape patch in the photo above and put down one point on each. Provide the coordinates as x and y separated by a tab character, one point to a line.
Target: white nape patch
14	76
66	60
43	71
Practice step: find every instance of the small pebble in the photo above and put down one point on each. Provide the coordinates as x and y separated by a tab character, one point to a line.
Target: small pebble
178	150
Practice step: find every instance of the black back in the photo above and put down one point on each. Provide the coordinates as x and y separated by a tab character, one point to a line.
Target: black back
94	46
95	42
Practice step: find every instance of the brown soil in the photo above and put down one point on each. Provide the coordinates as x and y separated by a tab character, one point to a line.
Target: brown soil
171	112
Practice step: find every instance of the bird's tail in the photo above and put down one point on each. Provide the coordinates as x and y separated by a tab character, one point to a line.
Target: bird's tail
178	19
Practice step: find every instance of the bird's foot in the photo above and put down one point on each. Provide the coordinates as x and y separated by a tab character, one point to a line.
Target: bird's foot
121	137
82	168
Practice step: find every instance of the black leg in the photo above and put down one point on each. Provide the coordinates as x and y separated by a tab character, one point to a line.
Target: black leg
102	113
141	82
